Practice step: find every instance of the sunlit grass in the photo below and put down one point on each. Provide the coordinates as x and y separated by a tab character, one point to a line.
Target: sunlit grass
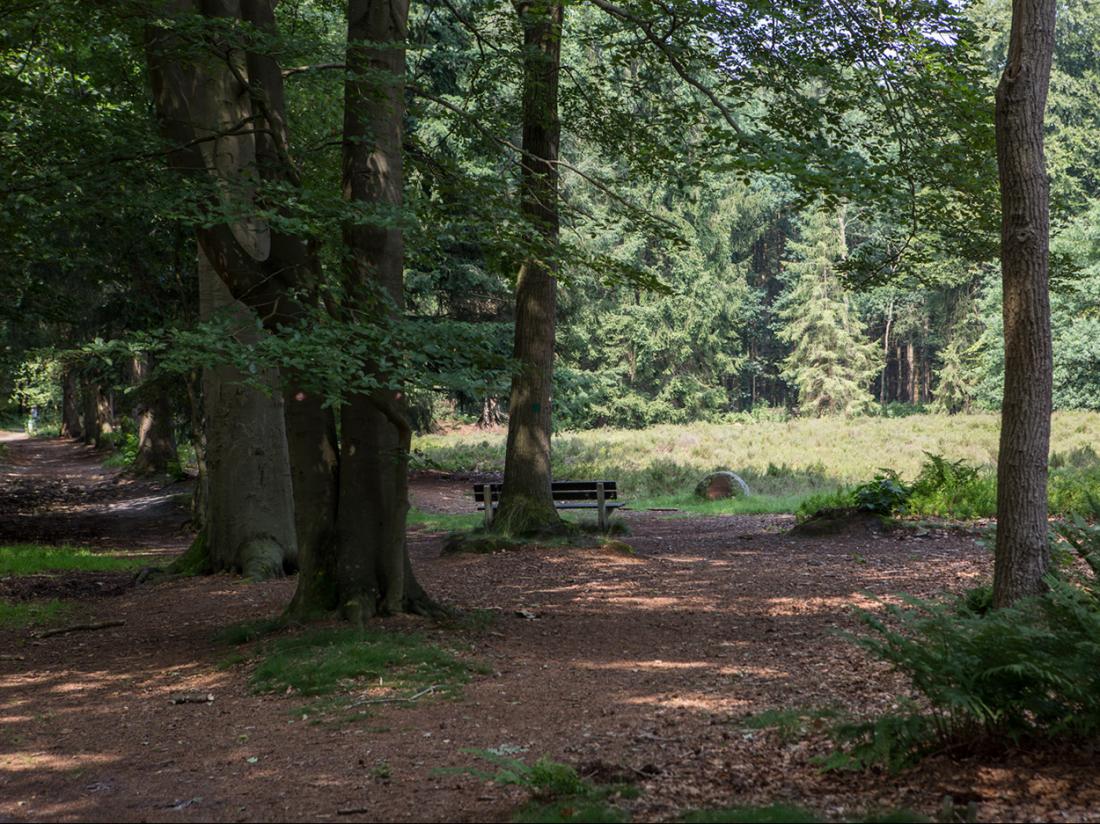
752	505
780	459
29	559
445	521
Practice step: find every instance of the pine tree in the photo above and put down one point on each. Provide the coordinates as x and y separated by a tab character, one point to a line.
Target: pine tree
955	386
831	364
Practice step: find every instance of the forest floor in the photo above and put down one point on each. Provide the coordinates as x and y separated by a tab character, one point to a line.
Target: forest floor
639	665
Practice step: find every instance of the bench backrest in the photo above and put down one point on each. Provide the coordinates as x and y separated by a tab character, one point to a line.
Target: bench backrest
562	491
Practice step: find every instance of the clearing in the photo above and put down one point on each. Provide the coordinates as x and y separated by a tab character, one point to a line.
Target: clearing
639	665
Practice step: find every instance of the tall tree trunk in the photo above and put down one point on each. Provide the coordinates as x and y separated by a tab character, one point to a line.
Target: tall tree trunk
886	352
1022	554
263	268
526	503
911	363
153	418
89	392
198	439
250	508
373	570
104	419
70	404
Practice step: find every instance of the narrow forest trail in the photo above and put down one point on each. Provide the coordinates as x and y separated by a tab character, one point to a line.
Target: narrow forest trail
641	665
56	491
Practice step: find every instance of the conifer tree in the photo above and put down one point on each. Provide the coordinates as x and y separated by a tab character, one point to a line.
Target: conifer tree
831	364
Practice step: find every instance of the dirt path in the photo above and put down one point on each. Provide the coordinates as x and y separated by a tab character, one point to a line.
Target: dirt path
639	664
56	491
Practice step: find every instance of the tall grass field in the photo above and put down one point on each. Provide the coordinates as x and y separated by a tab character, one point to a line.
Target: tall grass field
782	461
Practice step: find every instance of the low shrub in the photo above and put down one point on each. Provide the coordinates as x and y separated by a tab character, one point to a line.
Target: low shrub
989	676
953	489
885	495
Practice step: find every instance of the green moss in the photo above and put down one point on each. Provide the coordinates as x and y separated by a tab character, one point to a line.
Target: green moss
194	561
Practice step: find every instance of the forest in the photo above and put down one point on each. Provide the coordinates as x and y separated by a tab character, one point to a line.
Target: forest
545	410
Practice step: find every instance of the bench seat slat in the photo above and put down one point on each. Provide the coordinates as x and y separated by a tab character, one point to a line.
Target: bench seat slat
608	505
561	491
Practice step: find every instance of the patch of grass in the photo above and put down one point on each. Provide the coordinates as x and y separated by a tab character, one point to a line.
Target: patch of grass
327	661
233	660
752	505
445	521
569	809
28	559
475	620
557	792
14	614
245	632
787	814
780	813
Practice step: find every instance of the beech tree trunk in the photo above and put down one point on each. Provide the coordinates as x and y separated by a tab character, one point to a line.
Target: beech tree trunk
70	405
196	99
153	419
1022	553
373	570
104	419
250	504
526	503
89	391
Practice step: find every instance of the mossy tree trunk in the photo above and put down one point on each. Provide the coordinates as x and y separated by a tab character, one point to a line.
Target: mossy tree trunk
373	570
1022	554
526	503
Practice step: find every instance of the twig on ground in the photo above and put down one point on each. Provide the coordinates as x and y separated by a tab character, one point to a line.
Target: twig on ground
80	628
397	700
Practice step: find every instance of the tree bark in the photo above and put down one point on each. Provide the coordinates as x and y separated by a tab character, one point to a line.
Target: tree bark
526	503
373	570
70	405
250	506
886	352
264	269
1022	552
104	419
89	392
153	418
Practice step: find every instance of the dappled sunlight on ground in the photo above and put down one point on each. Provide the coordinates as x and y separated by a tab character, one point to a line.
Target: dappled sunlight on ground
646	663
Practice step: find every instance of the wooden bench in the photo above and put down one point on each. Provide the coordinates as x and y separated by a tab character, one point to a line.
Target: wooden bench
602	496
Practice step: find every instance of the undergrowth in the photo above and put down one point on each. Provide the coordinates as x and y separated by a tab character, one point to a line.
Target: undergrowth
954	489
557	792
988	678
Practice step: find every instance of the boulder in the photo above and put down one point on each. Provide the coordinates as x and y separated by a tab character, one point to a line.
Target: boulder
722	484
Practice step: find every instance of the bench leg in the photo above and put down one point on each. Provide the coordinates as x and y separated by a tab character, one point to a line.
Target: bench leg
487	492
601	503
